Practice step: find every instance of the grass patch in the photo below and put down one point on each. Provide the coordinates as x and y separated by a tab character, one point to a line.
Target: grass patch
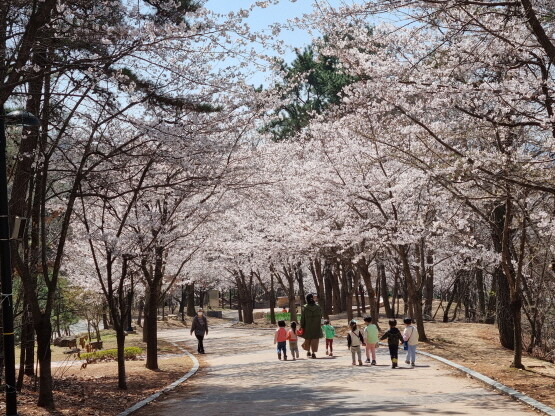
282	316
130	353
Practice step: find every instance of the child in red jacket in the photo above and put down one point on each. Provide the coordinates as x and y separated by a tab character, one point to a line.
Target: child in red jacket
280	338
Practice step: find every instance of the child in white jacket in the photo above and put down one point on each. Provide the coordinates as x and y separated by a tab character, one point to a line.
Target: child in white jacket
410	336
354	340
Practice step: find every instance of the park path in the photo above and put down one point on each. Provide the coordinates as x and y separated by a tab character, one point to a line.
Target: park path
240	375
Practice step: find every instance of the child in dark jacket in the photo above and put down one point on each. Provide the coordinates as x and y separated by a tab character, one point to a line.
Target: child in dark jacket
394	339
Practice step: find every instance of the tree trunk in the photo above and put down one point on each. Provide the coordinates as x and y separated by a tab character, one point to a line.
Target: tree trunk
429	287
479	273
362	268
288	288
492	303
105	321
182	303
201	296
23	342
44	354
318	278
272	300
146	312
270	292
120	339
299	276
141	309
28	343
328	293
151	321
245	295
191	299
385	295
336	291
504	316
362	298
349	305
513	278
129	322
516	309
356	293
451	298
239	308
2	361
395	294
349	282
293	308
343	291
248	313
416	300
406	299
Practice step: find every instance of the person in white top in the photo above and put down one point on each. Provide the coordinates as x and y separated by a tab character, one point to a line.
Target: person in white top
410	336
354	340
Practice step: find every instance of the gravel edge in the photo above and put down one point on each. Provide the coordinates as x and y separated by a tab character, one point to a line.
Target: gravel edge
168	388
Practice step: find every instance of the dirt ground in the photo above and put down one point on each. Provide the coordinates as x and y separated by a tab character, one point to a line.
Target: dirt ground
476	346
93	390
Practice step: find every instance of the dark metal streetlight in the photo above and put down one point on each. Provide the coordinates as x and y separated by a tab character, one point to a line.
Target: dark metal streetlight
23	118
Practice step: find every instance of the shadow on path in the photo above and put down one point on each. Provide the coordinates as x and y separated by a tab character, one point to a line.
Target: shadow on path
241	376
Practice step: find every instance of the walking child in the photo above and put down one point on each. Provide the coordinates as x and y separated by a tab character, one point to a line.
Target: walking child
394	339
293	339
410	336
371	337
280	338
354	340
329	332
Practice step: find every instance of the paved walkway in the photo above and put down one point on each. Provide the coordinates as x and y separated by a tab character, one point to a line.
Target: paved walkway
242	376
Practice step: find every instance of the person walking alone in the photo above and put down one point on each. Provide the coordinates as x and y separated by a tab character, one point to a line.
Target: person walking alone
311	325
200	327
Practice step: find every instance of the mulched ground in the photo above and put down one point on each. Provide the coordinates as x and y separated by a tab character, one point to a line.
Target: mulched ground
476	346
94	390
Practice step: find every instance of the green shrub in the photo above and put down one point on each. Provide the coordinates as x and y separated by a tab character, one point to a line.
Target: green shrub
282	316
130	353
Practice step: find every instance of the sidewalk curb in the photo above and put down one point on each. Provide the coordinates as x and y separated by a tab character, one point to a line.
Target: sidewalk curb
521	397
172	386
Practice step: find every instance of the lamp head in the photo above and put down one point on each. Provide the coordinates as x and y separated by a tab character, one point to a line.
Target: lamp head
22	118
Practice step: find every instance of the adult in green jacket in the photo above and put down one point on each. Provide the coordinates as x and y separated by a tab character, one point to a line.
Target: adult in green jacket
311	324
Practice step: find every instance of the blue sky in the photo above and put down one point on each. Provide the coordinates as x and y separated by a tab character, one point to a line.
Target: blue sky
260	20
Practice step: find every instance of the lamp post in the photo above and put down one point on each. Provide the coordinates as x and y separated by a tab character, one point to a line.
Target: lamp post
14	118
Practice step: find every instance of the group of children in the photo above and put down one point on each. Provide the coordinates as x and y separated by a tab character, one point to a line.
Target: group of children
282	336
409	338
368	338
